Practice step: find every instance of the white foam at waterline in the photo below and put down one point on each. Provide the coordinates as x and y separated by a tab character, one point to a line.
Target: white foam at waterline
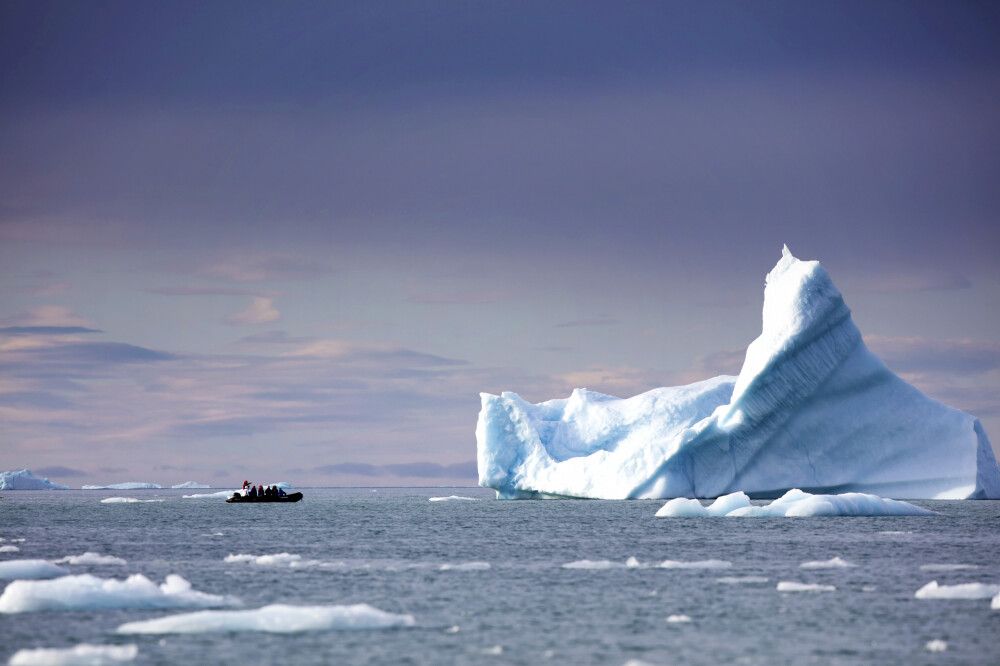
221	493
79	655
832	563
126	500
86	592
673	619
694	564
936	645
465	566
9	549
961	591
30	569
792	586
494	651
275	619
947	567
452	498
591	565
741	580
91	558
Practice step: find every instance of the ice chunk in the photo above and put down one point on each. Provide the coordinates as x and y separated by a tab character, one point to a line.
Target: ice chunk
961	591
681	507
591	564
290	560
812	408
79	655
128	485
191	484
221	493
465	566
995	604
88	592
673	619
696	564
127	500
275	619
494	651
794	504
792	586
947	567
91	558
25	480
632	563
9	549
30	569
936	645
832	563
451	498
741	580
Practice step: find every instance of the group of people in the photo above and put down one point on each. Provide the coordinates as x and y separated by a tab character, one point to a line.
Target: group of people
259	491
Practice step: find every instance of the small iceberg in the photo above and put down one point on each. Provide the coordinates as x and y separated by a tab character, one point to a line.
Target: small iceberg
465	566
86	592
936	645
91	558
961	591
832	563
793	504
741	580
193	485
127	500
792	586
24	480
694	564
9	549
593	565
678	619
995	604
290	560
128	485
79	655
275	619
453	498
30	570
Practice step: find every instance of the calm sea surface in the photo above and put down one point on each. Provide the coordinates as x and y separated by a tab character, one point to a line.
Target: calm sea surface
526	608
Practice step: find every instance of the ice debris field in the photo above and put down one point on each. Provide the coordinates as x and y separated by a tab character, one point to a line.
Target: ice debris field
812	408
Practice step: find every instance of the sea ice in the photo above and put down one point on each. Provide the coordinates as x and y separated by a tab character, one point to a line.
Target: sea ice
451	498
127	500
86	592
276	619
995	603
793	504
128	485
792	586
9	549
191	484
290	560
30	569
936	645
79	655
221	493
465	566
696	564
91	558
947	567
961	591
811	408
832	563
25	480
741	580
592	564
673	619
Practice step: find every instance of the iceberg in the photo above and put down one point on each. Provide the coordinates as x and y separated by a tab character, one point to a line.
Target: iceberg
24	480
812	408
128	485
793	504
961	591
30	569
191	484
78	655
275	619
88	592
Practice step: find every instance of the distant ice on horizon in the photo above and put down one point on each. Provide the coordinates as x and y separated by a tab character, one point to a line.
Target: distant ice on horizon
23	479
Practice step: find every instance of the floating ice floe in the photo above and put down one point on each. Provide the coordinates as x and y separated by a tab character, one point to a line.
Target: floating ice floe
128	485
221	493
793	586
494	651
793	504
452	498
936	645
79	655
465	566
995	604
24	480
127	500
91	558
193	485
741	580
832	563
812	407
694	564
9	549
86	592
593	565
275	619
961	591
30	569
290	560
676	619
947	567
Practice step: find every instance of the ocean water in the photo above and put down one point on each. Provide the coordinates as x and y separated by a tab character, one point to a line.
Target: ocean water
385	547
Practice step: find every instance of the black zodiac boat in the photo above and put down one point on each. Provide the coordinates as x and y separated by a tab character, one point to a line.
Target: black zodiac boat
239	499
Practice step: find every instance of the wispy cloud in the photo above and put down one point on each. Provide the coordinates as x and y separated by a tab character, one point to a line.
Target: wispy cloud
47	330
261	266
260	311
50	315
204	291
591	321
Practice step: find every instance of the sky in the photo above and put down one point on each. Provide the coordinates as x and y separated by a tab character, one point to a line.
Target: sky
294	241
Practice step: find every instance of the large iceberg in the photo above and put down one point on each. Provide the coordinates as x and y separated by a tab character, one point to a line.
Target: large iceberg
812	408
24	480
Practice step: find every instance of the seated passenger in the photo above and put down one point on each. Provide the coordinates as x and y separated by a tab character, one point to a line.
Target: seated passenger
281	492
253	492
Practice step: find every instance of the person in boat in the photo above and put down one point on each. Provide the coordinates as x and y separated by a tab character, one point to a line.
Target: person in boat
281	492
260	491
252	494
268	492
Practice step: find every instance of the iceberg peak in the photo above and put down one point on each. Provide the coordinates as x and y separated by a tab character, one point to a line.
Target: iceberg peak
811	408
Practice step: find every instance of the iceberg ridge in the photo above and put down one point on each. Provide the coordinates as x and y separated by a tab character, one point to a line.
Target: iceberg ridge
812	408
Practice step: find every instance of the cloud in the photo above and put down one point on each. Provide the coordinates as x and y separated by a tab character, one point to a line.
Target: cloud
258	267
51	315
260	311
427	297
928	355
100	353
59	471
372	353
274	338
47	330
203	291
593	321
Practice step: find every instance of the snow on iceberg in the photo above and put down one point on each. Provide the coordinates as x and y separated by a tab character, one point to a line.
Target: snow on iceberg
88	592
276	619
793	504
78	655
24	480
128	485
811	408
91	558
961	591
193	485
30	569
